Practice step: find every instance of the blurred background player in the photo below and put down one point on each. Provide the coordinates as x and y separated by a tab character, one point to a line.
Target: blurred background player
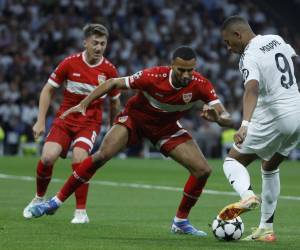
271	120
82	73
165	95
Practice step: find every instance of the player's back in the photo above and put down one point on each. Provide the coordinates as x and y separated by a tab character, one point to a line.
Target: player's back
271	57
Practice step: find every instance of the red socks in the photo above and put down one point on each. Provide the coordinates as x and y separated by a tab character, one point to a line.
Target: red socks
82	174
43	177
192	190
81	192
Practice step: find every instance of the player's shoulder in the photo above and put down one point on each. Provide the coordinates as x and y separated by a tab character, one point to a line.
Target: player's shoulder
109	64
158	72
73	57
198	78
262	44
270	40
70	59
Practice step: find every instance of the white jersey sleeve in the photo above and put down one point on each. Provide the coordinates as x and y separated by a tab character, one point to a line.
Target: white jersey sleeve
292	51
250	70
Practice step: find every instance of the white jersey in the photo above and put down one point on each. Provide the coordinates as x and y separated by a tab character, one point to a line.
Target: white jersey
268	59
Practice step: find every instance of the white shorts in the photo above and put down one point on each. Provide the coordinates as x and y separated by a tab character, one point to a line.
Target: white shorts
264	140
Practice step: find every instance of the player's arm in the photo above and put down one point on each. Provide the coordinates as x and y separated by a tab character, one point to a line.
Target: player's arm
224	118
110	84
114	109
44	103
250	99
249	103
217	113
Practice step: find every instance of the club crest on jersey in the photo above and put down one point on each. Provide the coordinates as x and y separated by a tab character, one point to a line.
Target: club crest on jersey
123	119
187	97
101	79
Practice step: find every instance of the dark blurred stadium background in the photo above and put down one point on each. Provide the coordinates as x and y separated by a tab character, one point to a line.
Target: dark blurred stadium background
36	35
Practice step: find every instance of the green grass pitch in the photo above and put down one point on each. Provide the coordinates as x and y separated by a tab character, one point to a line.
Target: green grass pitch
131	207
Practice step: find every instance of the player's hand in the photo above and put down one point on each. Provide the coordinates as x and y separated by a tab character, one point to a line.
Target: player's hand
210	113
38	129
81	108
240	136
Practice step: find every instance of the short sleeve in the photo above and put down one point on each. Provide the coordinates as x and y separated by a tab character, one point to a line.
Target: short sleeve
249	70
59	75
288	48
209	95
291	50
139	80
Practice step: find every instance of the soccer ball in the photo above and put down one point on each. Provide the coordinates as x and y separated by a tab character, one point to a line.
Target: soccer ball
228	229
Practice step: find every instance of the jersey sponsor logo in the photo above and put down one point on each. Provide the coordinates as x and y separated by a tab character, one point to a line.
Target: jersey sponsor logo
76	74
123	119
101	79
245	73
187	97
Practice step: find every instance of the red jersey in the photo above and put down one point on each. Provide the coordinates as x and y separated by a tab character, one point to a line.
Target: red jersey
160	101
80	79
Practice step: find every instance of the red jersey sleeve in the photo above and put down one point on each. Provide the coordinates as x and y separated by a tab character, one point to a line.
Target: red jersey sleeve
59	75
209	94
115	93
140	80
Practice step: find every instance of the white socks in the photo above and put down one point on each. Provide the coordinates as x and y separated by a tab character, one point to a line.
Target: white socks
238	177
270	194
176	219
58	201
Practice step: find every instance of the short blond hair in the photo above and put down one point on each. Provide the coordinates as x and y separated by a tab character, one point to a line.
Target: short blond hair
95	29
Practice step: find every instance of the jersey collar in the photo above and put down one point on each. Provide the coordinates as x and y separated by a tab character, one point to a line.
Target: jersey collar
170	80
251	41
91	65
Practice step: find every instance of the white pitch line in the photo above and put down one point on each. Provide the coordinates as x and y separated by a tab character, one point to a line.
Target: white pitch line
136	185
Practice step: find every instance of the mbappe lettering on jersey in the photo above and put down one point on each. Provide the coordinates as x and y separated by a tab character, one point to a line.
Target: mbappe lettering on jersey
271	45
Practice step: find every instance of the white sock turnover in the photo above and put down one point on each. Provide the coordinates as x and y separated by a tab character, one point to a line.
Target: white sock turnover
238	177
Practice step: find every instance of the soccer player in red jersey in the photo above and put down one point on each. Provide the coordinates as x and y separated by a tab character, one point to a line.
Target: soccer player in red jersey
164	95
81	73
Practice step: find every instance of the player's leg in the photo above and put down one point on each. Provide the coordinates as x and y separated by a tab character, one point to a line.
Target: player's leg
270	194
190	156
114	141
50	153
235	170
237	174
80	214
270	189
285	137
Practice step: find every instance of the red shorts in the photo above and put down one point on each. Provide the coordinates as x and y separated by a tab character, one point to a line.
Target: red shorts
164	135
72	136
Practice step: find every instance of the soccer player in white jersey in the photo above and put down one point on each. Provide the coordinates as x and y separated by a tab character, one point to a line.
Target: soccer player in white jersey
271	120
